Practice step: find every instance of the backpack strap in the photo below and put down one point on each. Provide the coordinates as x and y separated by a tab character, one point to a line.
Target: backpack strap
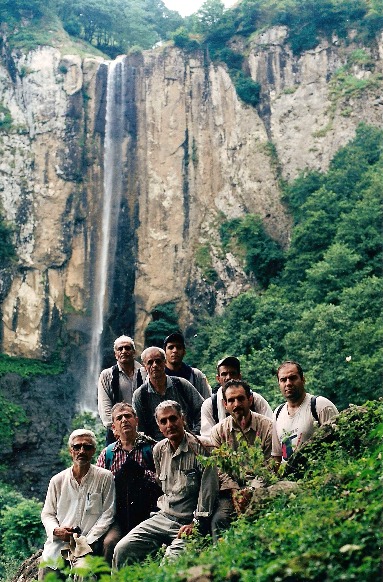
313	407
115	384
139	379
214	405
278	411
109	454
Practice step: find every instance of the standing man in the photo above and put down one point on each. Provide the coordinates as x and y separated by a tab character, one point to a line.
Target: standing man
117	384
159	387
130	460
174	346
295	420
189	491
242	423
214	410
79	499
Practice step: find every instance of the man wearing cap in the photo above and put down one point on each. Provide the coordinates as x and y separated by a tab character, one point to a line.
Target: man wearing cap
117	384
174	346
213	409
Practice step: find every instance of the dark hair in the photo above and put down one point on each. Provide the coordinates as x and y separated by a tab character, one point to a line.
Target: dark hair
236	384
293	363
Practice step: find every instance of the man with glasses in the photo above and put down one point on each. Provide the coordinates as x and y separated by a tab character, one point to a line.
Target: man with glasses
80	500
117	384
159	387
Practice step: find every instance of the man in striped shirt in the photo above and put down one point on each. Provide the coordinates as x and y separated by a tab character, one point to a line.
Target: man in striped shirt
130	459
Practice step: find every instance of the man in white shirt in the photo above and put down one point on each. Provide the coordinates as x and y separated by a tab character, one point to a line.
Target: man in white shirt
213	409
80	499
117	384
296	420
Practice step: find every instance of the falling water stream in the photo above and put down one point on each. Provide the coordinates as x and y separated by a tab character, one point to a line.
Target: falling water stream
114	133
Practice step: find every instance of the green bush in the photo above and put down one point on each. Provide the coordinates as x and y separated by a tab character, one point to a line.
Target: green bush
28	367
247	89
165	321
13	416
22	532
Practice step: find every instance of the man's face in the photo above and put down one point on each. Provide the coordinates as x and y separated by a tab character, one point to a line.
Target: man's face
82	450
125	423
237	403
124	352
290	383
175	353
155	365
171	425
226	373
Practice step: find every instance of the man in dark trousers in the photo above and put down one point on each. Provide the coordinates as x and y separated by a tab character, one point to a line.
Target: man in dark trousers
117	384
130	459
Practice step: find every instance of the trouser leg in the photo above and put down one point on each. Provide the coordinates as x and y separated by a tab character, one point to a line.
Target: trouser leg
222	517
110	541
146	539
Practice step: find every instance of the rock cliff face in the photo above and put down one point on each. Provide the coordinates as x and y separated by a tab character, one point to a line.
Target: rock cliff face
191	156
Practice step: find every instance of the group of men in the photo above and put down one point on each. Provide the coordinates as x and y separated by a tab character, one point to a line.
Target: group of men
151	469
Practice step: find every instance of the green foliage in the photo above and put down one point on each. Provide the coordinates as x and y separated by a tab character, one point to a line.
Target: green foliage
7	247
21	530
13	416
263	256
324	309
204	262
88	421
165	321
247	89
244	464
183	40
6	121
27	368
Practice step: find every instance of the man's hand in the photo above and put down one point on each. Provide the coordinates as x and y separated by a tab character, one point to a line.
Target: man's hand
63	533
186	530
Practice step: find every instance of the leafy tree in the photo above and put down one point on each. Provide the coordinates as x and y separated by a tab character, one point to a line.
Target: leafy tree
165	321
210	14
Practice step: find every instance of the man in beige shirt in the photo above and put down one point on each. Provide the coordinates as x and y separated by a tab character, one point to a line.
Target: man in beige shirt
242	423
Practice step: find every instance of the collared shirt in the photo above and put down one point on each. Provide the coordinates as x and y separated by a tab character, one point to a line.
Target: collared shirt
127	386
226	432
208	421
89	505
120	456
189	488
146	399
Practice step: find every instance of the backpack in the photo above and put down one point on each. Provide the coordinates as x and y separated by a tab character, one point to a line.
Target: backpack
109	455
115	384
313	407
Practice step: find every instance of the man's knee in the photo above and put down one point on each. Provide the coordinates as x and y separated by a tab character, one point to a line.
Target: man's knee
111	539
223	516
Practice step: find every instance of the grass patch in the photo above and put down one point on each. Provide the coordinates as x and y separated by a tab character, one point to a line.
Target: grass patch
27	368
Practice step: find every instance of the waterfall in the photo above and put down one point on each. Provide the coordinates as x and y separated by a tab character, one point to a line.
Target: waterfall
113	171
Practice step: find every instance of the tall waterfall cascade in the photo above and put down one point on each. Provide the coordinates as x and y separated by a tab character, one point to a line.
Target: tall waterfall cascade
112	186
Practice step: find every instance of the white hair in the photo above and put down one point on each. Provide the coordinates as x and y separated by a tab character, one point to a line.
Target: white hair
152	348
124	338
82	432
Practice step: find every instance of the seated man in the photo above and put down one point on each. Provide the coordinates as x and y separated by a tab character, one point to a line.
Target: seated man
190	490
242	423
159	387
130	459
214	410
174	346
79	499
